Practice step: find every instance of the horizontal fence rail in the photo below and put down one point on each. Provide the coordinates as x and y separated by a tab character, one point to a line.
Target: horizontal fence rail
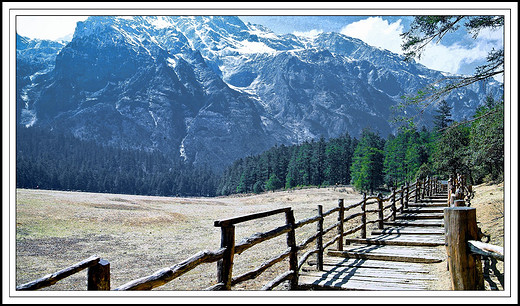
486	249
98	276
166	275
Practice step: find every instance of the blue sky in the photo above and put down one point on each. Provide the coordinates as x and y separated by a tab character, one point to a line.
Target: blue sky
457	53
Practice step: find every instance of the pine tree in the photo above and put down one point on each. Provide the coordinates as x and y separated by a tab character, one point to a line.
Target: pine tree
273	183
450	156
443	117
367	165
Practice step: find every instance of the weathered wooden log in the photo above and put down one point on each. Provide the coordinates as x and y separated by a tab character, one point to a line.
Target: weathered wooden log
346	208
306	221
387	206
319	240
341	216
394	209
264	266
460	224
380	214
228	222
330	211
98	276
216	287
406	196
51	279
372	222
278	280
293	256
364	216
256	238
353	230
401	200
331	227
308	240
225	265
166	275
486	249
417	190
306	256
372	211
331	242
350	217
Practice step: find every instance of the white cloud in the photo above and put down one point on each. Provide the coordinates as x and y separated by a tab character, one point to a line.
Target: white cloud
451	58
377	32
47	27
492	35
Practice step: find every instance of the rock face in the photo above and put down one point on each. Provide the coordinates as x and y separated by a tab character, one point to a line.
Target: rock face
211	89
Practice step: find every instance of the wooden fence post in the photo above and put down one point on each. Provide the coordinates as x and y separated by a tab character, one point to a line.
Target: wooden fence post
293	256
450	184
407	196
364	216
460	224
423	190
319	240
98	276
417	190
401	201
341	219
426	187
225	265
380	210
394	209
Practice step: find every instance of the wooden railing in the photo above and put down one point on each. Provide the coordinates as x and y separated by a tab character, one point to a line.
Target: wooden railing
370	210
98	275
463	247
458	189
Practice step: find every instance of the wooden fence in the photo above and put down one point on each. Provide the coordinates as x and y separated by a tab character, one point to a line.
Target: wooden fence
98	275
463	247
373	210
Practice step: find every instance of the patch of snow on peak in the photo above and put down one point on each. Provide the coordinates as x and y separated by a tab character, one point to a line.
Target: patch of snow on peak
161	22
172	62
251	47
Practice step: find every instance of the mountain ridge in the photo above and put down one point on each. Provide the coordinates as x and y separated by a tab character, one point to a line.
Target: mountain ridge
211	89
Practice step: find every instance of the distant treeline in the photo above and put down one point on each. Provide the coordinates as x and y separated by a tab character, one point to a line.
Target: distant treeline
474	147
50	160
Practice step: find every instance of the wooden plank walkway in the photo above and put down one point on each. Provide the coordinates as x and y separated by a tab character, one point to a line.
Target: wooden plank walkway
392	258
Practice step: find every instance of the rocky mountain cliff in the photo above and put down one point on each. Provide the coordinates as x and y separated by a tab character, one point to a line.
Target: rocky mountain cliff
211	89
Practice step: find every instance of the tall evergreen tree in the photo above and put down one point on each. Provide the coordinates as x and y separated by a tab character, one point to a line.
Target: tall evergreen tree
367	164
450	156
442	118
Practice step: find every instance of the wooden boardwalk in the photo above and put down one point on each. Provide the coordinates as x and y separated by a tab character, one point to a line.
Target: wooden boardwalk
395	257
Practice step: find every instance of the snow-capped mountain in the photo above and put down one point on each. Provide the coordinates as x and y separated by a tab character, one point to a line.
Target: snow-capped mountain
211	89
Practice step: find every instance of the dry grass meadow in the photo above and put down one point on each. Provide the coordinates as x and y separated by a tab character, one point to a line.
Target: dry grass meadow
140	235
